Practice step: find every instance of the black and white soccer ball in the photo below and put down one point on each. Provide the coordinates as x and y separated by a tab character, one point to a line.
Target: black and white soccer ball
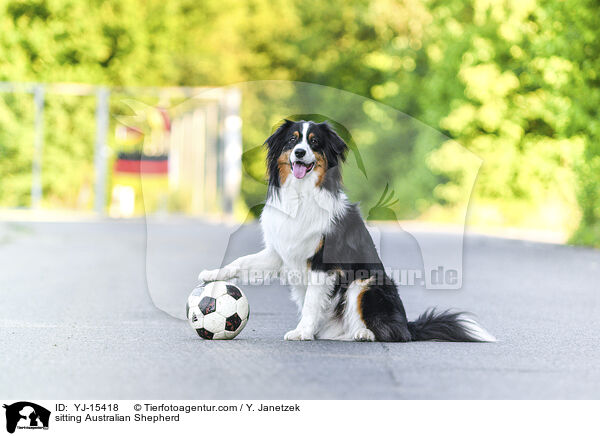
217	310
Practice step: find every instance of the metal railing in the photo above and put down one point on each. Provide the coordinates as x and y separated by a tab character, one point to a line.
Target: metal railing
227	141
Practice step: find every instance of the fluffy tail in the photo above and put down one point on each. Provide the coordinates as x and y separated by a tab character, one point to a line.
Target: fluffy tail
449	327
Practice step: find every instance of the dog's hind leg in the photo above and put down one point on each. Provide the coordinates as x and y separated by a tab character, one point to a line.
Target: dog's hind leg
354	325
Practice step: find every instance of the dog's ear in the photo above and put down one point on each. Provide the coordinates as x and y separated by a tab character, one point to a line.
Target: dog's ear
336	148
275	145
278	136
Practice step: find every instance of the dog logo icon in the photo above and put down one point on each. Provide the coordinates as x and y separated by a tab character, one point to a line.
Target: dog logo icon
26	415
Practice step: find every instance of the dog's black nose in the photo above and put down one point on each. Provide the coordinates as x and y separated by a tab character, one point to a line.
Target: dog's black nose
300	153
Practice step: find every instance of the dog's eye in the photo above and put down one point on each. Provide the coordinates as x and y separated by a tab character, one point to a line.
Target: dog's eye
292	140
313	141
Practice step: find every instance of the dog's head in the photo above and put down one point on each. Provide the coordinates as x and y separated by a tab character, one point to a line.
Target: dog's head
306	151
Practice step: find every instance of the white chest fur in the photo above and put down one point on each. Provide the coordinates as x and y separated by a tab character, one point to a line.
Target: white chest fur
294	221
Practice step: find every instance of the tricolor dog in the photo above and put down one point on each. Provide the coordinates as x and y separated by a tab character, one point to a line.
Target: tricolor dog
310	227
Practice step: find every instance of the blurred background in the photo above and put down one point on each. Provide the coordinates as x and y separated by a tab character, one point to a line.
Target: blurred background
103	100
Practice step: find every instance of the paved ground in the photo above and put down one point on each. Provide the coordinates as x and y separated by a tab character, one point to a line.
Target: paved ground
77	321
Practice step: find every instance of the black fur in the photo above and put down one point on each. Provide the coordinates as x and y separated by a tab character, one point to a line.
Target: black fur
440	326
276	144
350	250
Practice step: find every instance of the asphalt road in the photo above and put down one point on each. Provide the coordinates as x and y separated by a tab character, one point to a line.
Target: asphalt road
79	319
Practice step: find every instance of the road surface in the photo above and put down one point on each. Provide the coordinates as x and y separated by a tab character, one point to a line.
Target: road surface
77	320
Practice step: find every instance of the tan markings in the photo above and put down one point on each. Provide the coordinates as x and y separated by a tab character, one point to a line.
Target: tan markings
321	242
296	134
311	136
308	263
365	287
338	272
320	167
283	163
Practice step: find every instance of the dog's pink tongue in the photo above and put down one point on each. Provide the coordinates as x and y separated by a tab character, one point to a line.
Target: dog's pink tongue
299	170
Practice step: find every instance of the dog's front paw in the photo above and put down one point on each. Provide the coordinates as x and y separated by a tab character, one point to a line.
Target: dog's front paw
208	275
211	275
364	335
299	335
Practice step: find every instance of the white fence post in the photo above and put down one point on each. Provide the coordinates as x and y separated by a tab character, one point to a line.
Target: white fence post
101	149
232	155
38	147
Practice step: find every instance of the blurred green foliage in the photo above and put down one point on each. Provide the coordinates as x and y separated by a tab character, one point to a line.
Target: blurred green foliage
516	82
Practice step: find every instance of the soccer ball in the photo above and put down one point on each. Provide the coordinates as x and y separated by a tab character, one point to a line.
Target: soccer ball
217	310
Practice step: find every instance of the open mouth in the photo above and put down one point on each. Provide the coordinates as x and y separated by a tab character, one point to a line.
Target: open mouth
301	169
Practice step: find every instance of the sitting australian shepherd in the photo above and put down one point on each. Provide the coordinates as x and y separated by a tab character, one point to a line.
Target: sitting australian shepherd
309	226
